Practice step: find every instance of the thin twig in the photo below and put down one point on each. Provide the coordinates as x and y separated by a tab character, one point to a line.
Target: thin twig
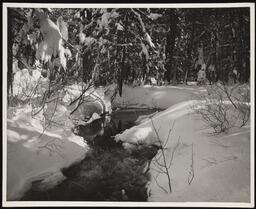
191	172
174	149
155	178
164	158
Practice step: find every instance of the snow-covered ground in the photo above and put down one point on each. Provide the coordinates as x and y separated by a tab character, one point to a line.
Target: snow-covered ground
32	155
160	97
203	167
221	164
35	152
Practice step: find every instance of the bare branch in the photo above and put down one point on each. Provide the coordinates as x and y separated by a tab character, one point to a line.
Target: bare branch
163	155
191	172
174	149
155	178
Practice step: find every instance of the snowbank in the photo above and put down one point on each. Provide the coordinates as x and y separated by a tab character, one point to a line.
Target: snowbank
203	167
38	154
160	97
95	102
74	91
32	155
144	133
28	84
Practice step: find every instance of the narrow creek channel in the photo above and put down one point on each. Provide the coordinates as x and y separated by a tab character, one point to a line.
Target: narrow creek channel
108	172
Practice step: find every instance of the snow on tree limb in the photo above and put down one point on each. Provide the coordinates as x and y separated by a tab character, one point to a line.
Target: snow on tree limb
52	40
62	25
146	35
149	40
154	16
119	27
144	51
140	20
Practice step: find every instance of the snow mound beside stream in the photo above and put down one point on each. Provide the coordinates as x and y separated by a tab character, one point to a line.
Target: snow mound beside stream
202	167
35	155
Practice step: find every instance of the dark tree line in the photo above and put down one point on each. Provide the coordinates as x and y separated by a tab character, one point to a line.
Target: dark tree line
127	45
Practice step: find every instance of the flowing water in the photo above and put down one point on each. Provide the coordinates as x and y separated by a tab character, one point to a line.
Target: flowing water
108	172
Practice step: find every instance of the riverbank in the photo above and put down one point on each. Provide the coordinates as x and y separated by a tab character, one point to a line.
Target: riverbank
200	164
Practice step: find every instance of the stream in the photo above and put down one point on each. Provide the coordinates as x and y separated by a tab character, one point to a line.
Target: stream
108	172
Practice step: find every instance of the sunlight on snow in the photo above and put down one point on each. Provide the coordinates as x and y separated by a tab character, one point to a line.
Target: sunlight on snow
142	133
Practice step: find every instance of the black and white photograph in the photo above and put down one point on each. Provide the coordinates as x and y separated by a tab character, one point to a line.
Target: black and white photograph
128	104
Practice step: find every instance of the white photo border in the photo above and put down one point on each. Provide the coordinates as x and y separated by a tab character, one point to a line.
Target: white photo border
6	203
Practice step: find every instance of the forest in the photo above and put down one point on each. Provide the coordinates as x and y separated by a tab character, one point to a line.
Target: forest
130	46
129	104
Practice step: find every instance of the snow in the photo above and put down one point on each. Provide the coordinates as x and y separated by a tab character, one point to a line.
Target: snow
154	16
144	132
218	168
26	85
160	97
52	42
36	153
149	40
119	27
74	91
203	167
221	166
34	156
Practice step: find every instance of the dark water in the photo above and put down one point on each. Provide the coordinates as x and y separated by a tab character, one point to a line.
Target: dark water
108	172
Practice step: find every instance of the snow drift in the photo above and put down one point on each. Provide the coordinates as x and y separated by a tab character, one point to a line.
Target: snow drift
36	154
203	167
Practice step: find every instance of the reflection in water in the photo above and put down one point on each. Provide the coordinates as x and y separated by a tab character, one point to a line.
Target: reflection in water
108	172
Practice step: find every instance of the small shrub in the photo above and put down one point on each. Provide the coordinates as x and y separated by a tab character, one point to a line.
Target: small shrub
224	107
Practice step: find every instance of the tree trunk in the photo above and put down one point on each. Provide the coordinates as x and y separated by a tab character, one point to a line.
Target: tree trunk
122	68
189	51
87	63
218	67
170	43
240	51
10	54
233	35
247	67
